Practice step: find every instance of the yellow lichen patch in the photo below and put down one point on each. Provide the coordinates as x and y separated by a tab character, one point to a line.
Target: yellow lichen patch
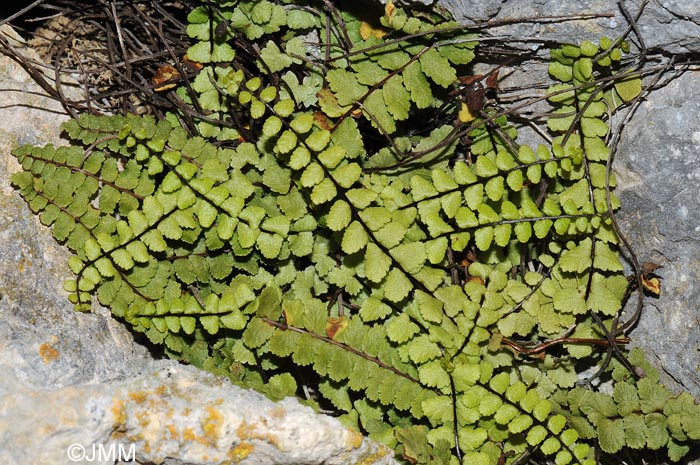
354	440
144	418
136	438
372	458
138	396
188	434
119	414
249	431
245	430
151	398
278	412
241	451
48	352
162	390
172	430
212	425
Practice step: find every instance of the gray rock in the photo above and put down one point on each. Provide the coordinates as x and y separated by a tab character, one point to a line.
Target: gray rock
78	382
672	25
658	166
176	415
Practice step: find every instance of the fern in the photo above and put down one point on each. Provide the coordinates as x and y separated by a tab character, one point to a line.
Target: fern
315	225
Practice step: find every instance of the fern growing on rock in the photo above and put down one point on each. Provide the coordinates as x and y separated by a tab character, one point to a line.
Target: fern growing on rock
339	219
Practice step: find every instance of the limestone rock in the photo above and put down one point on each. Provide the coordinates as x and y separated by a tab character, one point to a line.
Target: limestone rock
176	415
78	382
672	25
658	167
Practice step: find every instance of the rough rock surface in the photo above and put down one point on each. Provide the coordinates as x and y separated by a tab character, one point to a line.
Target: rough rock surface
176	415
80	378
658	168
673	25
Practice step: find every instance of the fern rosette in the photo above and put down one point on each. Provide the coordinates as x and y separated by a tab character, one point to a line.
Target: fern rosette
439	285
